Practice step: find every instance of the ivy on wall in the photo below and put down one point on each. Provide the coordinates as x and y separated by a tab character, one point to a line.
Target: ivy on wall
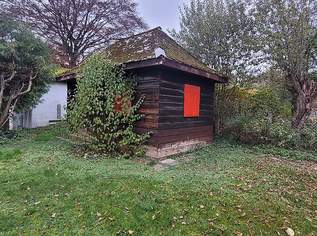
104	111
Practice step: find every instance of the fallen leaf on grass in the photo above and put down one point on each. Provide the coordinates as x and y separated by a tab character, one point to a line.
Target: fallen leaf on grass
290	232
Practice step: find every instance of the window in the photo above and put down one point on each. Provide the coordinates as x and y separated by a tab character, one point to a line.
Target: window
191	101
59	111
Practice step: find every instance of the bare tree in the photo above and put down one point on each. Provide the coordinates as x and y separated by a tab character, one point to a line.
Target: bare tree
75	28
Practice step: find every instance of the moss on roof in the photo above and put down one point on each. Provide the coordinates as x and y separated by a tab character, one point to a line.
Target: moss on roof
62	71
142	46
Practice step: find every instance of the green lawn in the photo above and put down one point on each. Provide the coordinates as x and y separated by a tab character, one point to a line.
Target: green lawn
222	189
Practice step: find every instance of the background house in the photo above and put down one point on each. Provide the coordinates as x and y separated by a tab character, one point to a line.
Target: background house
313	115
52	108
178	91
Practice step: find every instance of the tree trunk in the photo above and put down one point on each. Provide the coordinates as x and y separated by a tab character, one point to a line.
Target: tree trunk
302	111
305	93
4	116
73	60
5	126
304	103
4	119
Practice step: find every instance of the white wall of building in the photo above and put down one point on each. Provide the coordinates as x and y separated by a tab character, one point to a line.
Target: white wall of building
313	115
52	107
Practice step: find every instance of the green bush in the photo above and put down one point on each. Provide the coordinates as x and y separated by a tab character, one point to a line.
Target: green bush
227	104
265	118
259	109
307	136
246	130
278	133
283	134
94	115
7	135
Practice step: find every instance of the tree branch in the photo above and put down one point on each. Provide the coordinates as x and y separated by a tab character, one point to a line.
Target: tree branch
3	83
27	90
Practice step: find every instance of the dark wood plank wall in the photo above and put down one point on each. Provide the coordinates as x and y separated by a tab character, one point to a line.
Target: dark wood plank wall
173	126
148	87
172	100
163	106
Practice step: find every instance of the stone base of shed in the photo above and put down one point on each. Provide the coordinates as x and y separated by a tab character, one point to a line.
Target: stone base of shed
174	148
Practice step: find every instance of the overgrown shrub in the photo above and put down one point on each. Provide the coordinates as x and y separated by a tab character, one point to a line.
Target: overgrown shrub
7	135
258	109
307	136
282	134
265	118
227	104
104	111
247	129
279	133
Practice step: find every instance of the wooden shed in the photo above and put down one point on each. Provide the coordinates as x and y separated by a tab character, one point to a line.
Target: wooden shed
178	90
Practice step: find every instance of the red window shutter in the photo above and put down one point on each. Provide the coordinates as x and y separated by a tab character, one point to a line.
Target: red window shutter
191	101
121	103
118	104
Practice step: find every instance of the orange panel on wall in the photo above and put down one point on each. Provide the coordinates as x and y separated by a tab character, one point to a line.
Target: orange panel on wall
121	103
118	104
191	101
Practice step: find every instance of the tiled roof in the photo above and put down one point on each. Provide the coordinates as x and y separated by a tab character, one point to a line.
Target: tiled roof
147	45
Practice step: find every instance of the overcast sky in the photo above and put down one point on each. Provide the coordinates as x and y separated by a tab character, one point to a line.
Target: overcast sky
164	13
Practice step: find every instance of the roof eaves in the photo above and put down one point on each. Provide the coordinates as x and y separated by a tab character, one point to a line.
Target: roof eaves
67	76
162	60
194	70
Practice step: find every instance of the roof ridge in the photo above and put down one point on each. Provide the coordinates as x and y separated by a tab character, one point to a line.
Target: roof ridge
144	32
